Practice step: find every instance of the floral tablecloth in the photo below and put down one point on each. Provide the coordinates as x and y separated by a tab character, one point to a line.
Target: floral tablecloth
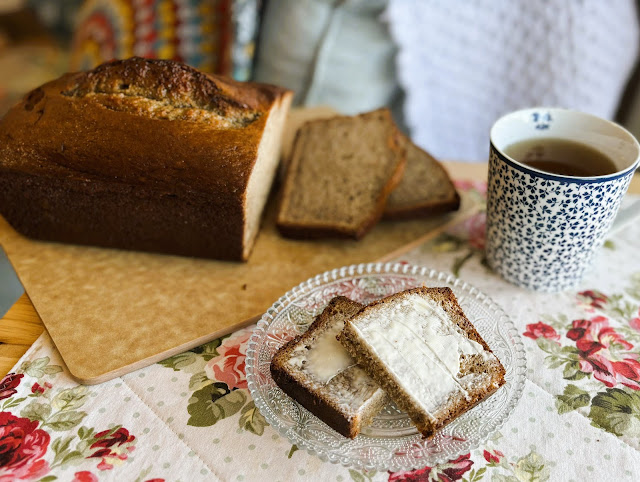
191	417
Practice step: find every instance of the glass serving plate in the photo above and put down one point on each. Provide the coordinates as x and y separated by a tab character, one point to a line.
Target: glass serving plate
391	442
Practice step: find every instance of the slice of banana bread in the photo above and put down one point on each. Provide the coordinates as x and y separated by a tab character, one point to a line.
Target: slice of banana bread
425	189
317	371
425	353
340	175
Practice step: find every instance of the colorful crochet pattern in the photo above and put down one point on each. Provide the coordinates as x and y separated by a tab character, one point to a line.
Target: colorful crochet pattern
197	32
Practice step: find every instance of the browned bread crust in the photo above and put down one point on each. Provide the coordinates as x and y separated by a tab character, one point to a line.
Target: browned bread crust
424	209
423	174
321	400
455	406
321	229
137	154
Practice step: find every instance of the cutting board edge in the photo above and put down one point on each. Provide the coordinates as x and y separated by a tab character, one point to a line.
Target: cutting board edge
125	370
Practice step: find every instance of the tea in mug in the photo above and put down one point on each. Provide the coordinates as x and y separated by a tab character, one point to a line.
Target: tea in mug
561	156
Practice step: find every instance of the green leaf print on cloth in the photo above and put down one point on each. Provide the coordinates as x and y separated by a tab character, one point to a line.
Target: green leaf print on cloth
39	368
63	421
251	419
60	413
532	467
572	399
213	403
364	476
600	354
36	411
179	361
182	360
218	383
617	411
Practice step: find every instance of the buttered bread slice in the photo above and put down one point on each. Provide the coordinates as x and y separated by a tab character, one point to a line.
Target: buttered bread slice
419	346
317	371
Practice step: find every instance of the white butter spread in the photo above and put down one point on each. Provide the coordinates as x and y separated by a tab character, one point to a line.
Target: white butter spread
422	348
331	373
327	357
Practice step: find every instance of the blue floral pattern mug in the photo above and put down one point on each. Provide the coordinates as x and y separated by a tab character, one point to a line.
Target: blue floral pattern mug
543	230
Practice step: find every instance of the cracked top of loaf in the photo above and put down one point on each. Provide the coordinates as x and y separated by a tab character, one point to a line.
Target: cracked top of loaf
140	121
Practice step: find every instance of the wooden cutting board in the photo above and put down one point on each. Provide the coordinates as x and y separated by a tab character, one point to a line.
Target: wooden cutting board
110	312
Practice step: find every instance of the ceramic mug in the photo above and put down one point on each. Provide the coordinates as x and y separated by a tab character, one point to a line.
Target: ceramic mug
544	229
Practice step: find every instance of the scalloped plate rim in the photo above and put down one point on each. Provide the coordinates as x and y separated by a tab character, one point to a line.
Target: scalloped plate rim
518	366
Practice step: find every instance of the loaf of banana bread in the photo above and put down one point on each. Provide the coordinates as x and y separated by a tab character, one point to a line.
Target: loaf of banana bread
143	154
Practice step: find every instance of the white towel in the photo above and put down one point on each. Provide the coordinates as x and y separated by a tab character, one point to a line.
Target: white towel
464	64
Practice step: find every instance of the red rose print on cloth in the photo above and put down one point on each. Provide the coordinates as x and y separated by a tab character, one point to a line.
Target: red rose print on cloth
411	476
541	330
493	456
605	353
113	447
22	448
449	471
591	299
9	384
38	389
84	476
228	366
